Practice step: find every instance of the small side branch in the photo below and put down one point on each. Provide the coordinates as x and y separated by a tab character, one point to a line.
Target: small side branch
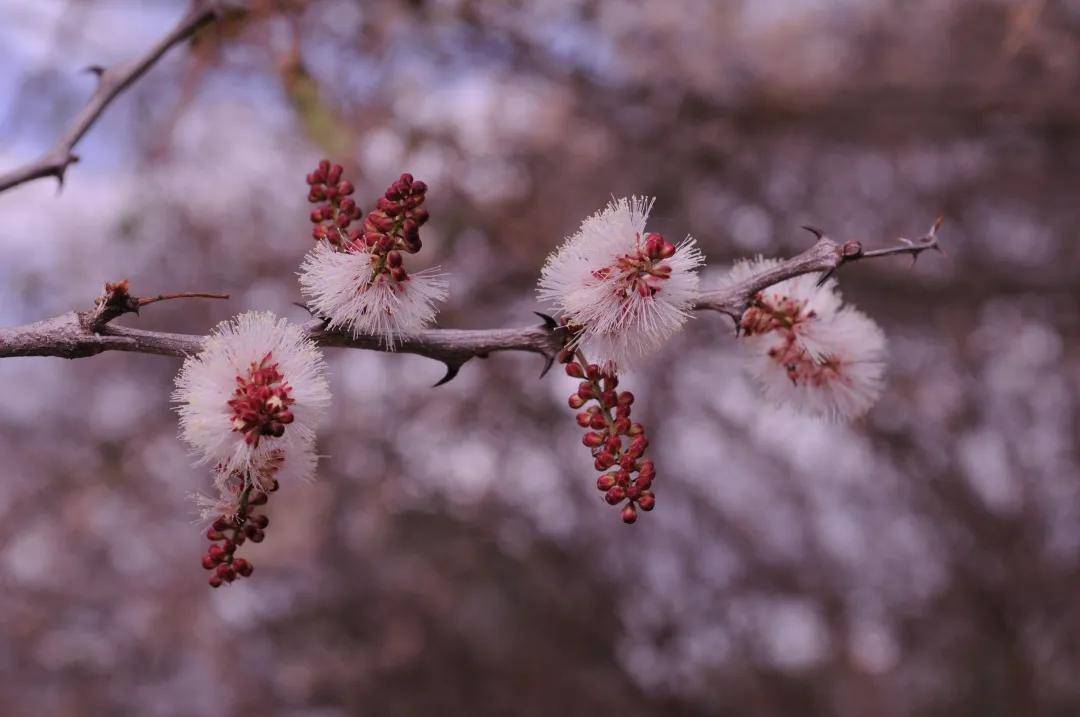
112	81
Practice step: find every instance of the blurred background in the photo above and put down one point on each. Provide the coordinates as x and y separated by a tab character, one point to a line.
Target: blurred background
455	556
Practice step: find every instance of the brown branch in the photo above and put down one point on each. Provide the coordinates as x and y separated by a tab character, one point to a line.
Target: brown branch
143	301
111	82
825	256
81	334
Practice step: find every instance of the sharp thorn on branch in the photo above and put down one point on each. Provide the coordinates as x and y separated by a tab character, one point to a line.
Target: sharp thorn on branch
452	368
549	361
826	276
814	230
549	322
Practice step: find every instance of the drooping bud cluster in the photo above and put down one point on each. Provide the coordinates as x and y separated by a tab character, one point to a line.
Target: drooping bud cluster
237	522
618	445
337	210
261	402
807	349
356	279
627	290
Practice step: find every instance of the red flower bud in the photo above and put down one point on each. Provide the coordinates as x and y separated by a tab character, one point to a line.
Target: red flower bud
615	495
647	501
593	439
243	567
576	402
604	461
629	514
596	420
574	370
584	419
394	259
605	483
345	187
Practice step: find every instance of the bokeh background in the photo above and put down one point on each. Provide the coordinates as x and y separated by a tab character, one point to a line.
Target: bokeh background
454	557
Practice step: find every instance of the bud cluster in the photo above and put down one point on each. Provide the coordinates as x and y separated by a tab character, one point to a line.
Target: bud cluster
232	529
388	230
396	220
617	444
261	402
337	210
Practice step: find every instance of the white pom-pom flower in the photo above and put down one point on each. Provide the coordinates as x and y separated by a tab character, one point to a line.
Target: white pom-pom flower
360	291
253	398
624	291
809	351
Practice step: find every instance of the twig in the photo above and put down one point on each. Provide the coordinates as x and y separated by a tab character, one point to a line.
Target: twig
82	334
111	82
143	301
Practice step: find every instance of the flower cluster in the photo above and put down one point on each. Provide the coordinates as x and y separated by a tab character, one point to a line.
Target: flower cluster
618	445
807	349
356	278
623	291
250	403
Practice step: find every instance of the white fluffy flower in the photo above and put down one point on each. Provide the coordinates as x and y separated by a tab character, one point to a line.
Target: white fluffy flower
807	350
253	397
627	291
340	287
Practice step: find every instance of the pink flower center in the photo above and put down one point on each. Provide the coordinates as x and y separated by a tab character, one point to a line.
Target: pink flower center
774	313
641	271
261	402
803	370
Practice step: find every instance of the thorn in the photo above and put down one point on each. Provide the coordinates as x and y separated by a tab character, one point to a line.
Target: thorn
549	361
548	321
814	230
97	70
451	371
825	277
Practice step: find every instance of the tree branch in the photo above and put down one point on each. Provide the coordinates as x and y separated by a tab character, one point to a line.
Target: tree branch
82	334
111	82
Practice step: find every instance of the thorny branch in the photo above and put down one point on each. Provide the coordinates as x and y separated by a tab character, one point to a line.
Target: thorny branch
82	334
111	82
